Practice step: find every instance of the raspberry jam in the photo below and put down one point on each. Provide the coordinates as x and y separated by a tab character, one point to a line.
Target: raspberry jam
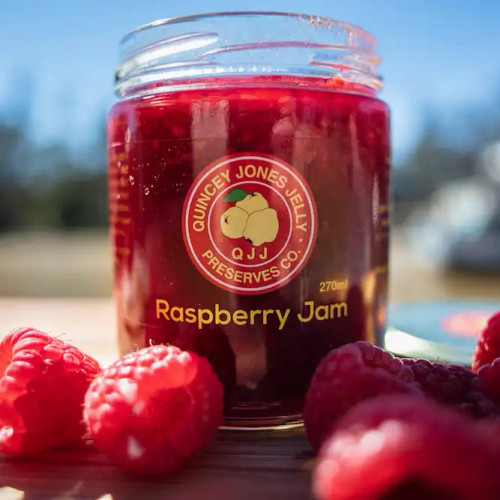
249	215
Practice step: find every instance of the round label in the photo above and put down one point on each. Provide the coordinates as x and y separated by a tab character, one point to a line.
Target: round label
249	223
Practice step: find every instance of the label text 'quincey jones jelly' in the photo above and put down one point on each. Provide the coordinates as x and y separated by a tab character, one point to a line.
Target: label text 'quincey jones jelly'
219	316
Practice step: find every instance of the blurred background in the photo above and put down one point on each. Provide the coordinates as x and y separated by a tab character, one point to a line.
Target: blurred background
442	80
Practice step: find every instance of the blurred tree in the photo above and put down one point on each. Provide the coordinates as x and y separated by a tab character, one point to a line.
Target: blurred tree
436	161
11	146
20	103
48	186
79	199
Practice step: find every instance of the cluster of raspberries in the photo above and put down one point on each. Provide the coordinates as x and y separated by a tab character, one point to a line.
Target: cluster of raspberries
149	411
389	428
384	428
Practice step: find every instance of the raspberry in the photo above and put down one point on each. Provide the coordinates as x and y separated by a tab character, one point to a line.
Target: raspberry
490	376
402	447
453	385
488	346
42	388
154	408
346	376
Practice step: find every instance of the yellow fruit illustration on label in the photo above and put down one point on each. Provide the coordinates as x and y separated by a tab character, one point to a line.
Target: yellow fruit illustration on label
233	222
253	202
250	218
262	227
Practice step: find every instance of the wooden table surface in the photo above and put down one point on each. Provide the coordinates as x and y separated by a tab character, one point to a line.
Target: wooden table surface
236	466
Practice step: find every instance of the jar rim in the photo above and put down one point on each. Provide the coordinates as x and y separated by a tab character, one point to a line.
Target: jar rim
318	21
182	52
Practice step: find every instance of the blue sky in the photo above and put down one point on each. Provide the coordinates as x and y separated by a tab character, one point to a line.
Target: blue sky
438	54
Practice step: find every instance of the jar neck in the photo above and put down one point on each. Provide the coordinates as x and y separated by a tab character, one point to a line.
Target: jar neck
251	82
239	48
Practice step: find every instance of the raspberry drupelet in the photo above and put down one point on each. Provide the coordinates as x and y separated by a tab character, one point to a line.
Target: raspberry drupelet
453	385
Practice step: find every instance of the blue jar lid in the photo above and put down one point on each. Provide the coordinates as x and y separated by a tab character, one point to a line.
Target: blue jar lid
439	331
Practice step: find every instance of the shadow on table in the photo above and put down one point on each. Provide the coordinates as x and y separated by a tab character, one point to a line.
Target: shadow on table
40	481
225	471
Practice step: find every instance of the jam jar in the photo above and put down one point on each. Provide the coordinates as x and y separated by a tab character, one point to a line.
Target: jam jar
249	163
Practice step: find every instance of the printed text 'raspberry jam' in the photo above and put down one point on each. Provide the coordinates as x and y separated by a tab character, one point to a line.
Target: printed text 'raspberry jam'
249	175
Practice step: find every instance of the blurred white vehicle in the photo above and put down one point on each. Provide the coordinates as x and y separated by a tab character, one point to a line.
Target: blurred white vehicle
460	228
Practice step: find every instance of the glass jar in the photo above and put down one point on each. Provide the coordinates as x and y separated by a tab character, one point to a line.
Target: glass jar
249	175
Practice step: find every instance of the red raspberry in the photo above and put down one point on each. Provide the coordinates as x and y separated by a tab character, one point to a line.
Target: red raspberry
42	387
453	385
402	447
488	346
346	376
154	408
490	376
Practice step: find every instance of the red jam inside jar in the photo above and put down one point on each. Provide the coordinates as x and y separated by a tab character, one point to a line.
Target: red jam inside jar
249	199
